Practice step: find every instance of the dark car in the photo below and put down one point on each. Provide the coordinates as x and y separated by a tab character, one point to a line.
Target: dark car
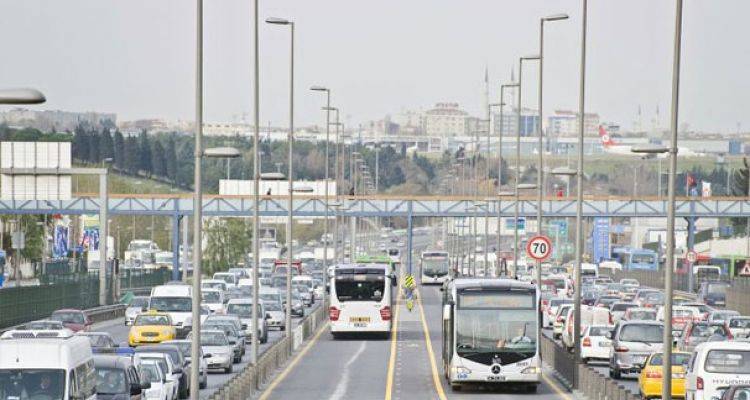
100	341
117	379
178	360
713	293
75	320
697	332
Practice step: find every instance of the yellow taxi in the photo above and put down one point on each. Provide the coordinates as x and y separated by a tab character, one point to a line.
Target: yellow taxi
650	379
151	327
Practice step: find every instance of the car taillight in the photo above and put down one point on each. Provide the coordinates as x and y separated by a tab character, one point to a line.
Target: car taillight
587	342
611	321
560	318
333	313
653	374
621	349
699	383
729	334
385	313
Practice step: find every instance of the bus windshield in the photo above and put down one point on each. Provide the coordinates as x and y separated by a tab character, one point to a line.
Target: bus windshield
492	330
642	258
435	266
23	383
172	304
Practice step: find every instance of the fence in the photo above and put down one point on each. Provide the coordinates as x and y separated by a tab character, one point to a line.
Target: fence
80	291
592	384
242	385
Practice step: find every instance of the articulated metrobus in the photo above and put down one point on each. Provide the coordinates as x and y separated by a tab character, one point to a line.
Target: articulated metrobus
434	267
361	299
490	332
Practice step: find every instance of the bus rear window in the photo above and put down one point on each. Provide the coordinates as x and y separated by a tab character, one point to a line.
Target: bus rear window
365	290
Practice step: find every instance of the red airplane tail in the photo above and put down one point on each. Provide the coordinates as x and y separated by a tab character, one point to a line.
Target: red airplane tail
604	137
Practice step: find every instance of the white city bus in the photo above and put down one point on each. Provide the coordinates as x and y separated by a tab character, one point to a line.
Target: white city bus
434	267
361	300
490	332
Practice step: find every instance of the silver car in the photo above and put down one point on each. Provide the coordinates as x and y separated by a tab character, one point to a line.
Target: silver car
218	350
632	343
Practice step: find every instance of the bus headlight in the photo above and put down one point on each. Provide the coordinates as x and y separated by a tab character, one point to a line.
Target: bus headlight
531	370
462	371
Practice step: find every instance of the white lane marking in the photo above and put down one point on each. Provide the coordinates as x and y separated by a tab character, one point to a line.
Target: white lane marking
340	391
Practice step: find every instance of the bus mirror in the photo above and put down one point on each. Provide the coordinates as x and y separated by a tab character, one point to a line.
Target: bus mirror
446	312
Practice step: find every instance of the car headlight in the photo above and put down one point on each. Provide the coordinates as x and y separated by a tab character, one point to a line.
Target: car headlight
531	370
462	370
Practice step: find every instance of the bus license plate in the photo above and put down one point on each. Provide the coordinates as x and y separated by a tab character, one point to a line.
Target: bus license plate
495	378
359	322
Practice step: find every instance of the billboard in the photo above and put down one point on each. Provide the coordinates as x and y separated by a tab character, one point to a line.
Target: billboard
35	155
600	240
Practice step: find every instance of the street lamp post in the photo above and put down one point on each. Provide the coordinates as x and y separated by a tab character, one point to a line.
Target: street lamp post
540	173
254	349
518	157
290	176
328	130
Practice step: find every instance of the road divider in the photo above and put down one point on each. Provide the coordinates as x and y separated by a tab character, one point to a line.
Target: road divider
251	379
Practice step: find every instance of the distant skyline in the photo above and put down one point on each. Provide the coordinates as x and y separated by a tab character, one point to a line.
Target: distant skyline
136	58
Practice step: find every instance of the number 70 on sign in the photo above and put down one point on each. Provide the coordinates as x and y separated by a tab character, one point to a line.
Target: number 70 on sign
539	248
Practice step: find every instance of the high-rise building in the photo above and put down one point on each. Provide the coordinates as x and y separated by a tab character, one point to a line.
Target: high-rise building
564	123
445	119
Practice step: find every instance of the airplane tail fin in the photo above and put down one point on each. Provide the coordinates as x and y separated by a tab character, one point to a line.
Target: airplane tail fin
604	137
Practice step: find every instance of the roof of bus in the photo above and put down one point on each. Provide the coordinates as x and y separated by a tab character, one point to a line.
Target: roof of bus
373	259
488	283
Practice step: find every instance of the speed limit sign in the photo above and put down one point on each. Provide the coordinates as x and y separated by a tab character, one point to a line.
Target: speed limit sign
692	256
539	248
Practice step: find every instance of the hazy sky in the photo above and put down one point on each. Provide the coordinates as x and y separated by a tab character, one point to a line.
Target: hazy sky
136	57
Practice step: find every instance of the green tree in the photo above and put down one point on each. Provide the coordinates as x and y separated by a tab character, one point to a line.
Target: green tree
739	187
227	243
186	167
158	163
94	149
131	155
170	158
144	153
119	151
106	145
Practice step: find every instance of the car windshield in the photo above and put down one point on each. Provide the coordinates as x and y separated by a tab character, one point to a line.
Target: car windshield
643	315
717	288
139	302
211	297
739	323
242	310
48	384
642	333
149	372
214	339
110	381
145	319
558	302
492	330
728	361
677	359
68	317
707	331
599	331
228	330
272	305
99	340
172	304
654	298
352	290
44	325
559	283
228	278
621	306
213	285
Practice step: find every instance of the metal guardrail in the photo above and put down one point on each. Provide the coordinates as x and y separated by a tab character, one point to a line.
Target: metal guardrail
96	314
252	377
592	384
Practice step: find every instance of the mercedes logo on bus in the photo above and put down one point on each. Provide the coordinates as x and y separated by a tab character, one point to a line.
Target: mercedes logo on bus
495	369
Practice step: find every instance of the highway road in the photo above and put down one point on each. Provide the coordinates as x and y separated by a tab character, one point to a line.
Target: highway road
119	332
399	368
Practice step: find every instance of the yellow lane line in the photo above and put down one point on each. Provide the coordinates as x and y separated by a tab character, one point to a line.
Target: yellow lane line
294	362
394	340
428	342
556	388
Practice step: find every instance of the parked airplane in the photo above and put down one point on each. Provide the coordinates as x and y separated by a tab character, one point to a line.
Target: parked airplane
612	147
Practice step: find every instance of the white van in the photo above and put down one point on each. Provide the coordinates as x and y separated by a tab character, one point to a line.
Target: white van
53	364
716	366
175	300
590	316
589	270
361	299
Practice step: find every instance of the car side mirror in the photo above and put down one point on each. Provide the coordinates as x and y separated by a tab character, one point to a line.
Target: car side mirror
268	316
135	389
207	355
177	370
145	385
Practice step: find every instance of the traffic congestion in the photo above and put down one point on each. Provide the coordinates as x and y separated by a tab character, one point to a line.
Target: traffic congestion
67	356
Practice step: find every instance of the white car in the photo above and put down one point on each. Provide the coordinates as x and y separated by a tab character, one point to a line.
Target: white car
219	352
739	326
160	389
213	299
164	361
716	365
138	305
590	316
243	308
273	303
559	321
551	310
214	284
594	343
